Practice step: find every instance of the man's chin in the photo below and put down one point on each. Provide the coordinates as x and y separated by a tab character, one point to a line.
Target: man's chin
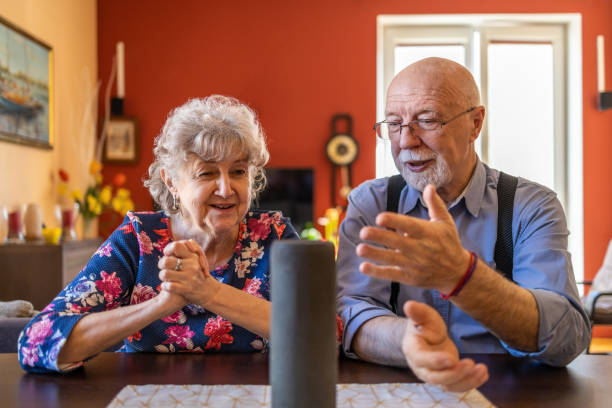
419	181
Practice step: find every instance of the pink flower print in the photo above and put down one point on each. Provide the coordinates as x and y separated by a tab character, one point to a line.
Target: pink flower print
238	247
77	309
276	216
47	308
251	286
163	241
220	270
180	335
254	252
242	267
109	285
259	230
39	331
30	355
142	293
144	242
104	250
218	332
176	317
265	218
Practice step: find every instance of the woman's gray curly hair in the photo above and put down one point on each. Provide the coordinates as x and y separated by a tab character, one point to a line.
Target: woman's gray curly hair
214	128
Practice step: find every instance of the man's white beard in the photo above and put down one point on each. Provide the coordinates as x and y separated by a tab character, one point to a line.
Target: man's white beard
437	173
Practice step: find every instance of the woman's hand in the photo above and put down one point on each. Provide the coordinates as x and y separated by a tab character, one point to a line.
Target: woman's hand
184	271
431	354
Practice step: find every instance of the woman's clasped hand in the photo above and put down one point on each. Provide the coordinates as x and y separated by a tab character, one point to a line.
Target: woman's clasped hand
184	272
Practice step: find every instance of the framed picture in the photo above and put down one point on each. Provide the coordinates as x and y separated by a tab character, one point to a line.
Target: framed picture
121	144
26	88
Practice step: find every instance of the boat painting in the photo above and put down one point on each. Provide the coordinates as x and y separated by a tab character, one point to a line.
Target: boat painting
25	88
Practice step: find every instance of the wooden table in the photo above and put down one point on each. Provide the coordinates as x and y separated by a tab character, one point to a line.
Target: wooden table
587	382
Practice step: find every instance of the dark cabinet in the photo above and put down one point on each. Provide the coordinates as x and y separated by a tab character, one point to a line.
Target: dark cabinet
38	272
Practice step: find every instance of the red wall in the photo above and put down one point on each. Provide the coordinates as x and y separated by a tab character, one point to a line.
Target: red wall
297	63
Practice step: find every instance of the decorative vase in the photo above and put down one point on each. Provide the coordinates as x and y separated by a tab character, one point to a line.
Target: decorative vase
90	228
68	220
15	226
3	224
33	223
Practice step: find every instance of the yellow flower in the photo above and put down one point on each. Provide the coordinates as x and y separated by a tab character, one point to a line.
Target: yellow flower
128	205
99	178
93	204
116	203
95	167
62	189
122	205
106	195
76	194
123	193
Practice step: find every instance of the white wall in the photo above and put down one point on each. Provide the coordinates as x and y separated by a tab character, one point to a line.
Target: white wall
29	174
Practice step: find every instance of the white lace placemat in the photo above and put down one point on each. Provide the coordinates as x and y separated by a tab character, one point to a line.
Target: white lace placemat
347	395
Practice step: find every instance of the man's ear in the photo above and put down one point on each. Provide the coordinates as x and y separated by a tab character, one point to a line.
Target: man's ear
478	120
167	180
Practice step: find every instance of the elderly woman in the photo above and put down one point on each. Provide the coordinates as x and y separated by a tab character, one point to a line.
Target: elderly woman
190	278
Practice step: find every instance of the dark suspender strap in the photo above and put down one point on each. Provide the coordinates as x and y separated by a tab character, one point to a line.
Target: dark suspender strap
394	189
504	248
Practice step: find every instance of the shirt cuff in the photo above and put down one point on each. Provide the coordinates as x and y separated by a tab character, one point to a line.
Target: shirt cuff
562	332
354	317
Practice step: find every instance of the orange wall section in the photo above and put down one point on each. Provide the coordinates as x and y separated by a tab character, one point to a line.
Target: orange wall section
297	63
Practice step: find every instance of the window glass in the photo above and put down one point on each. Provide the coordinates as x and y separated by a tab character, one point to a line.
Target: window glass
520	110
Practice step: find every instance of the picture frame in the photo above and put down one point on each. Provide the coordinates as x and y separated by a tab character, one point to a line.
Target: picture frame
121	144
26	88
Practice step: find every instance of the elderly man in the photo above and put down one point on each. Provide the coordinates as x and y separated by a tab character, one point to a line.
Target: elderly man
439	243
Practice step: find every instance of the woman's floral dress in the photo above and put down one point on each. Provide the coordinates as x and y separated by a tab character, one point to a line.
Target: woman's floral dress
124	271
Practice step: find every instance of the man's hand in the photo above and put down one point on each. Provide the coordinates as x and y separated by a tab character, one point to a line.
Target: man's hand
416	252
432	355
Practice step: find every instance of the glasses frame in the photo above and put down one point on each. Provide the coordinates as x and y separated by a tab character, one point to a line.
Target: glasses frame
415	124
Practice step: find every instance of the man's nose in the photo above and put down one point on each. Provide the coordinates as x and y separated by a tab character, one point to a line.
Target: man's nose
407	138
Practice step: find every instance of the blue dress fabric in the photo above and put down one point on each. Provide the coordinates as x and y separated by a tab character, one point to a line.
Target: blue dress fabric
124	271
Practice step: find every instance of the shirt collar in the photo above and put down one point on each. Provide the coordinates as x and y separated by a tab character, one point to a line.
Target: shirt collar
472	194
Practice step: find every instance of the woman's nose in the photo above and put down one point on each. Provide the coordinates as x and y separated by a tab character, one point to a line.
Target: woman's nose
224	188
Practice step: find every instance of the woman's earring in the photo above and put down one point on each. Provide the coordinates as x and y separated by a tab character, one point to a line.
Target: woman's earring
176	203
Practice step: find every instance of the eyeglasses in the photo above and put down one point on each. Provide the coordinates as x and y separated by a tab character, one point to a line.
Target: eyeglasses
388	130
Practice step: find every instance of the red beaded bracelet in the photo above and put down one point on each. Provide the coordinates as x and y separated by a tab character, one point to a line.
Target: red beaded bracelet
466	277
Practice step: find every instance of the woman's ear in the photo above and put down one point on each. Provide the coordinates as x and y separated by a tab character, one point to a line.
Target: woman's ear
167	180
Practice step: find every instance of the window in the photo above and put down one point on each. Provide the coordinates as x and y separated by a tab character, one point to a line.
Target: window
528	68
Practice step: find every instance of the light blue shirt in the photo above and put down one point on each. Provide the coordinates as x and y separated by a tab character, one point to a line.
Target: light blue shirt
542	265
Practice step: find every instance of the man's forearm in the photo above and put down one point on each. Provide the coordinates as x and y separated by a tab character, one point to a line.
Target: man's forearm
506	309
379	341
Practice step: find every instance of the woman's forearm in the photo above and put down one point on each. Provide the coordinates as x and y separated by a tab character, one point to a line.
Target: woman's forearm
241	308
98	331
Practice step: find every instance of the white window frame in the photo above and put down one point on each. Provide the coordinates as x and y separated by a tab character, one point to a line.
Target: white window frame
393	30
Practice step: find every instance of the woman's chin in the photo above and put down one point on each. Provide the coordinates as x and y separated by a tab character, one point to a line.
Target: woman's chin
221	225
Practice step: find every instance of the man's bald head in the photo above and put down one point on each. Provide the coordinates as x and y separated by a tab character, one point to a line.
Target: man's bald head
441	77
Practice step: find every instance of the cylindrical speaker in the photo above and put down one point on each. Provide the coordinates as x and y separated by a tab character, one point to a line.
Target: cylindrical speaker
303	360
